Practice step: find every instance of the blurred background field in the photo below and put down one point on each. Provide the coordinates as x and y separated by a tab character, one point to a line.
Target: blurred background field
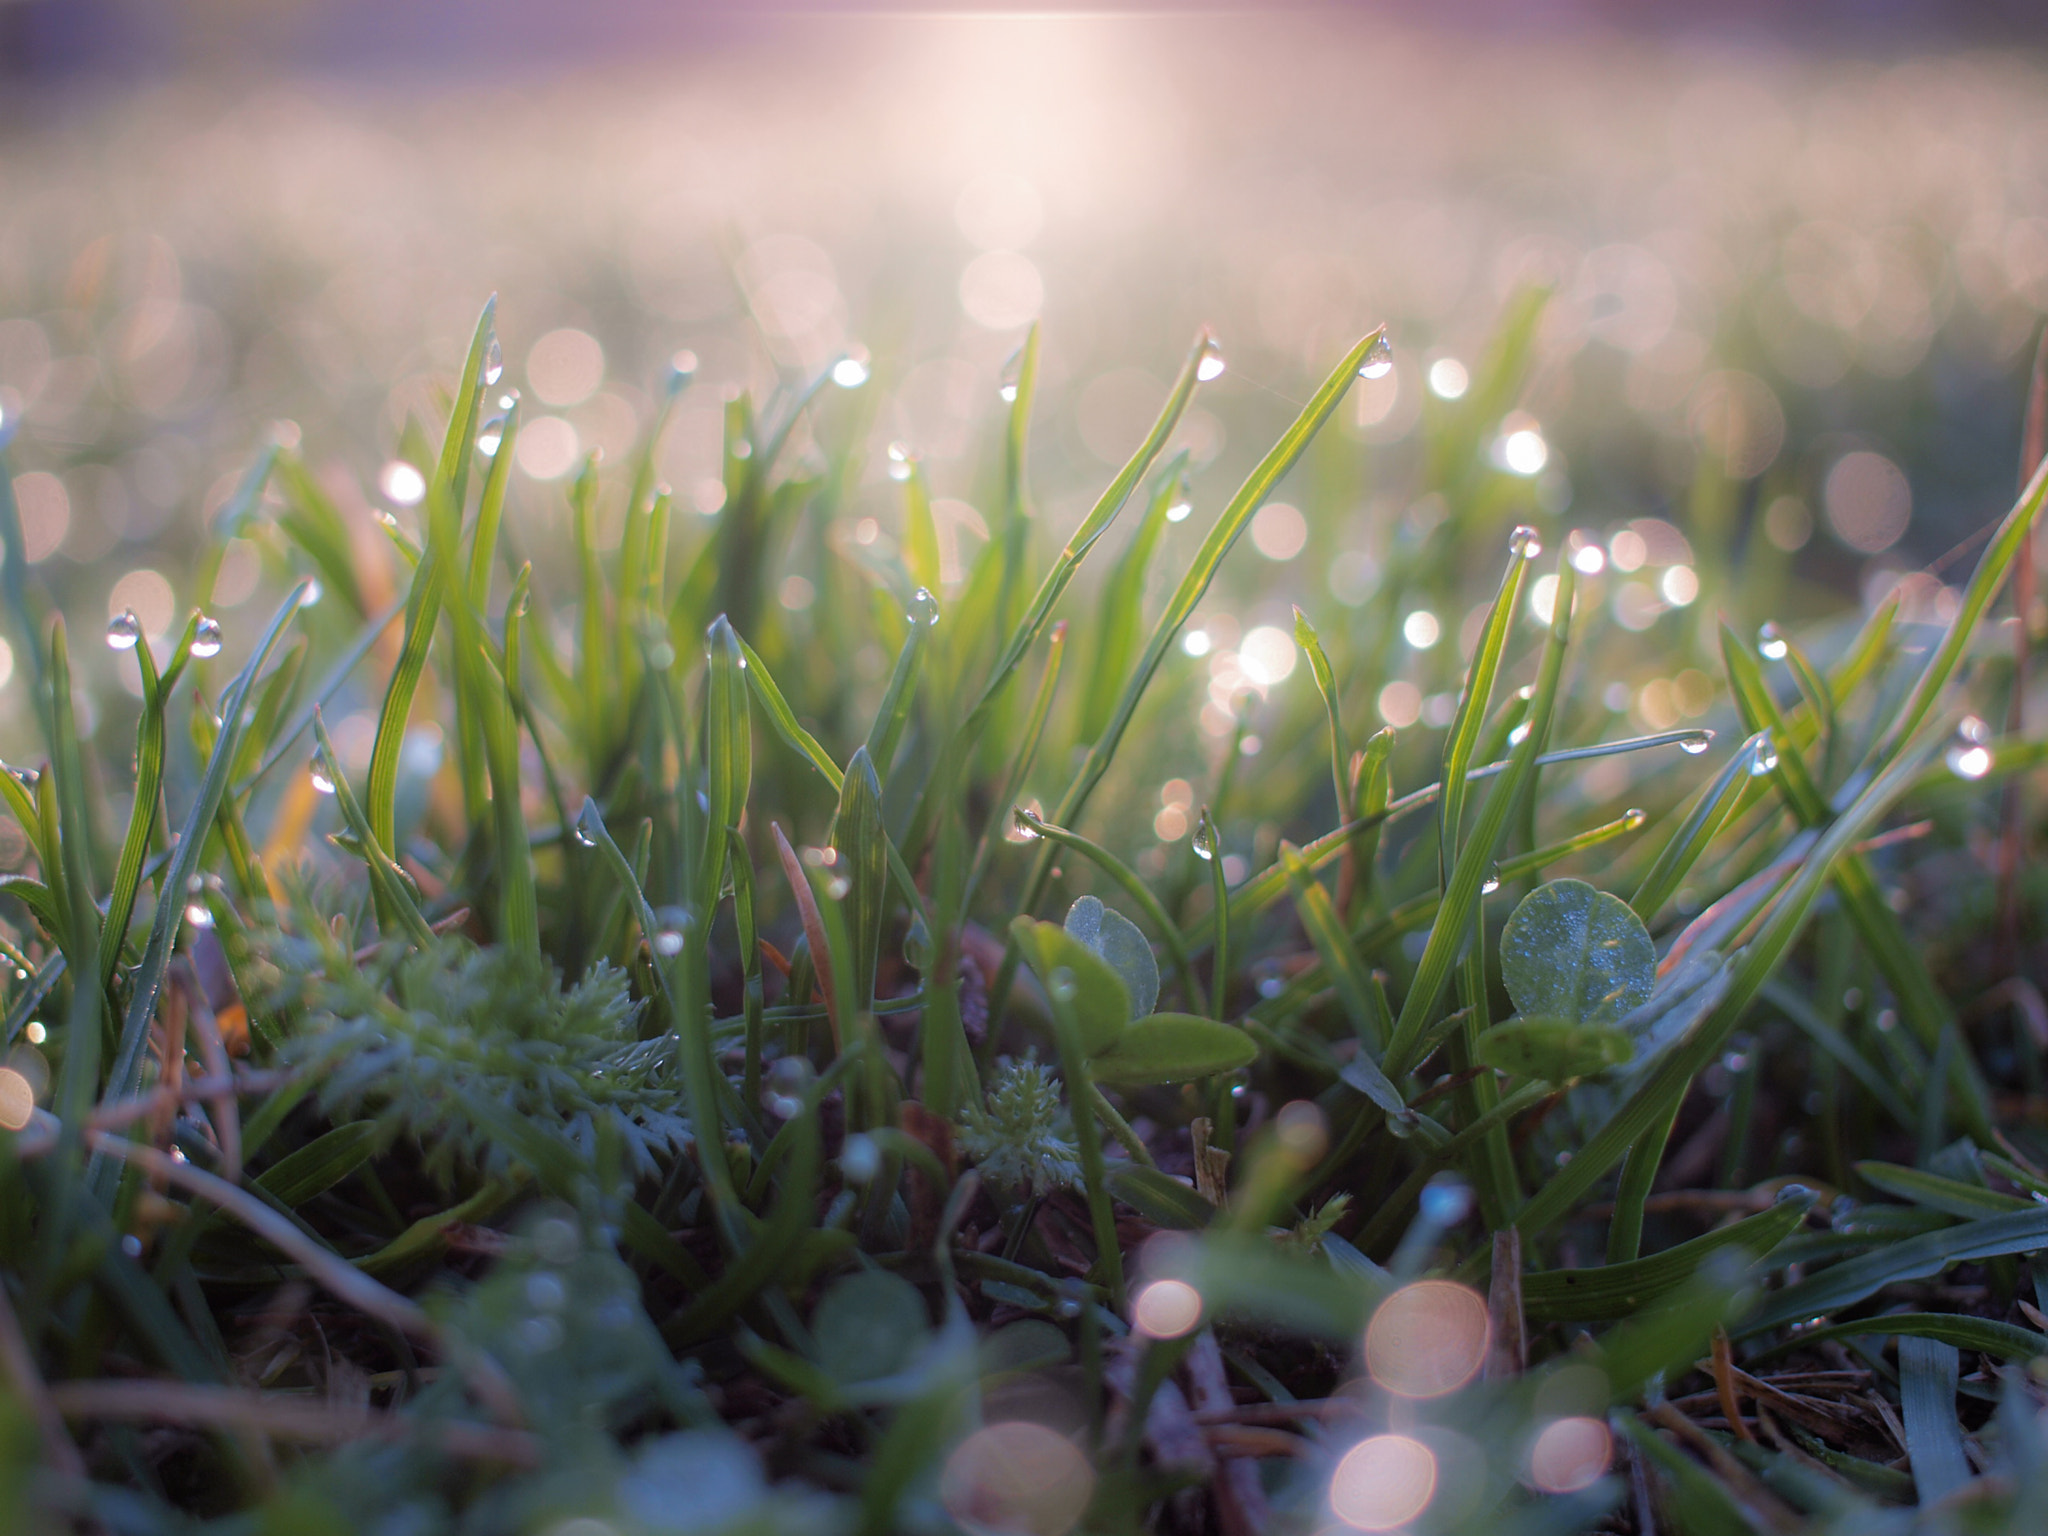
1795	280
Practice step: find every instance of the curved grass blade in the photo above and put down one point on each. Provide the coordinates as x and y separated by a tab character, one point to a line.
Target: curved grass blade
783	719
1927	1402
148	978
1123	601
1128	882
2003	1340
1231	523
149	778
1675	1069
1362	1001
892	715
728	754
389	881
1326	684
1024	755
1616	1290
1717	803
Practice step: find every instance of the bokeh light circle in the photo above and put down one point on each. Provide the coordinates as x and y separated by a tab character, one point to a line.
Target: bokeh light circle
1427	1339
1018	1479
1383	1483
1166	1309
1570	1454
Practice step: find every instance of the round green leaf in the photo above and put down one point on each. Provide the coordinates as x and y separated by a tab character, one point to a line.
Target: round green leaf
1555	1050
1173	1048
868	1326
1576	954
1101	1005
1117	939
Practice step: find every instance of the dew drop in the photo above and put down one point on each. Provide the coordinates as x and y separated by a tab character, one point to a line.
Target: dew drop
1212	364
924	608
1519	734
859	1158
1526	542
1007	380
1061	985
851	371
322	784
1022	816
199	914
1765	760
1379	358
1179	510
124	630
1633	817
584	839
489	436
508	399
312	594
1446	1201
1204	840
902	461
668	942
27	777
1771	642
743	448
1693	743
1491	883
681	368
494	362
206	638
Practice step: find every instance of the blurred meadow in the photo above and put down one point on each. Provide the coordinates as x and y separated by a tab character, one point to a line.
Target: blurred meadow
1793	294
808	346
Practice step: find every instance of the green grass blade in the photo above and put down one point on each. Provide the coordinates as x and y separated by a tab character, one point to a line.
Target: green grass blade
394	894
1710	812
1122	607
148	978
782	719
1361	1001
728	755
1326	684
892	715
149	776
1668	1079
1927	1403
1229	525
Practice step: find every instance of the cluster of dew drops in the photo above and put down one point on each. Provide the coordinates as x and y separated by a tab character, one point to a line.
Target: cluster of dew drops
124	633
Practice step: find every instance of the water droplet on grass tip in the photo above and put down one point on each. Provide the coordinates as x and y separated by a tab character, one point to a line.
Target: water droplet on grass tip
508	399
681	367
318	774
1212	364
1765	760
489	436
1633	817
584	839
924	608
1693	743
199	914
124	630
206	638
1771	642
1491	883
1204	840
668	942
312	594
1379	358
1022	816
1526	542
1013	372
494	362
851	371
1179	510
902	462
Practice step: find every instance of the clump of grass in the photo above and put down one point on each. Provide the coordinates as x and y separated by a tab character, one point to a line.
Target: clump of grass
642	1112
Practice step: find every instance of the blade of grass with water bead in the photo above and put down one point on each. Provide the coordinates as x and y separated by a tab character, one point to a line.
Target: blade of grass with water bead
1229	525
149	776
331	683
682	988
1983	586
1459	907
1263	889
1476	699
1877	926
1361	1002
1023	756
1675	1069
147	980
892	715
920	529
1717	803
1128	882
1122	608
393	887
960	746
728	755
